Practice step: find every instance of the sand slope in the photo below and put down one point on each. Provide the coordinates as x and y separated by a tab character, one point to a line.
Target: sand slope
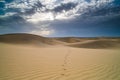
97	44
58	63
30	39
58	59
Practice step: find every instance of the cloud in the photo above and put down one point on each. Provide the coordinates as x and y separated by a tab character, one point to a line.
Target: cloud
65	7
10	23
40	17
54	9
32	15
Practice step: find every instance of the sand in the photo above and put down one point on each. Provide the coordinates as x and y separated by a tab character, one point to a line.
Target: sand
58	63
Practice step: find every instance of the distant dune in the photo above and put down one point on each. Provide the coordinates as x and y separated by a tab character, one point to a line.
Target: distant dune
98	42
27	39
69	39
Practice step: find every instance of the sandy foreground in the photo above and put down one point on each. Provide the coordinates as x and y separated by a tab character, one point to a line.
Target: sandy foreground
58	63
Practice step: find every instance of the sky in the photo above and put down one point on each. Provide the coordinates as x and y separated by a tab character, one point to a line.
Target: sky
61	18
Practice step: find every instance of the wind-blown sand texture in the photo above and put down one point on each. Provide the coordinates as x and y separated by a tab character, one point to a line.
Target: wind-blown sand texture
58	62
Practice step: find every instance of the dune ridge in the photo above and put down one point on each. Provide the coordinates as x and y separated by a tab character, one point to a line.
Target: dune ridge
30	39
27	39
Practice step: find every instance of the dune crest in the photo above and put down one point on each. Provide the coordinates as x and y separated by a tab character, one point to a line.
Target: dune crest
30	39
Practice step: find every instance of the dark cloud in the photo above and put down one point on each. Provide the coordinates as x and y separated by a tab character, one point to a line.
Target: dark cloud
65	6
104	11
38	6
35	8
14	24
14	10
18	10
89	26
29	11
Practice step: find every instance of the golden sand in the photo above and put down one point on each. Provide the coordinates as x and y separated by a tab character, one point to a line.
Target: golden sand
58	63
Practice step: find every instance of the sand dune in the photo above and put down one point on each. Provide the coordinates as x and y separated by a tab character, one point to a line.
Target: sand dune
69	39
93	43
58	63
55	59
29	39
100	42
97	44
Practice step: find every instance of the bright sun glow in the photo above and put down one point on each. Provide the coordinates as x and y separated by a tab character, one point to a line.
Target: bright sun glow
41	17
43	32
